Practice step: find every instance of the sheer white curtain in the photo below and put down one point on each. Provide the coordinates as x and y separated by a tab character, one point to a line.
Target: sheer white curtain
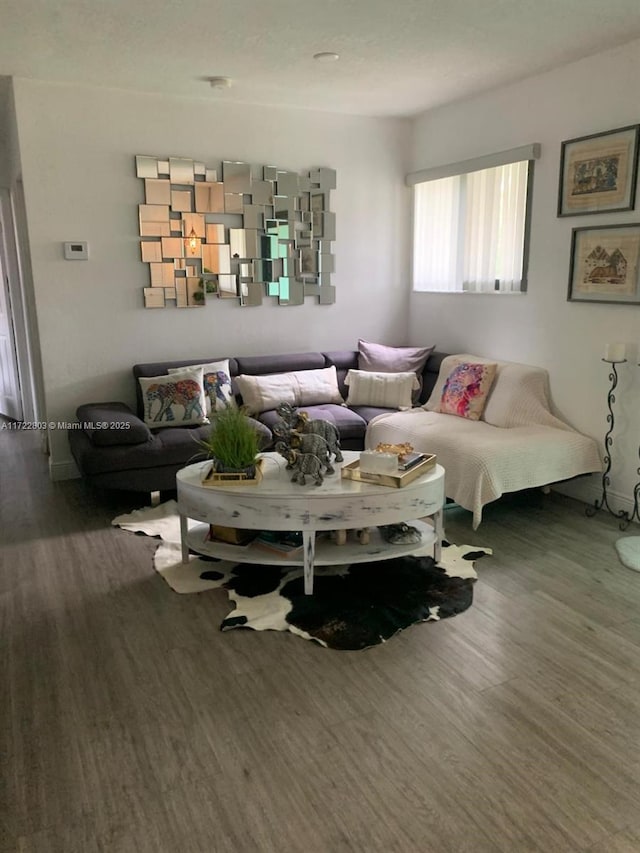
469	230
436	234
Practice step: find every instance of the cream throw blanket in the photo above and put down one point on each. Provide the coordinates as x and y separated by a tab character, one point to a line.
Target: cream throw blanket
518	443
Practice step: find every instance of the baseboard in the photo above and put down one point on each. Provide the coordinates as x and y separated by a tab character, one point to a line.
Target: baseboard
63	471
590	490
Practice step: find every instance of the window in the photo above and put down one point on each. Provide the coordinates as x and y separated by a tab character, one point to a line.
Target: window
471	224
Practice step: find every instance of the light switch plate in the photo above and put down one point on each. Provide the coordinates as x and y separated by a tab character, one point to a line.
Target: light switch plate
76	251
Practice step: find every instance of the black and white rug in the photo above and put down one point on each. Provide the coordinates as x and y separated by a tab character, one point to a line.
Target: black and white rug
352	607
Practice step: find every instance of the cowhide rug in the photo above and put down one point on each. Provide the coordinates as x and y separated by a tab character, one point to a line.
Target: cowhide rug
352	607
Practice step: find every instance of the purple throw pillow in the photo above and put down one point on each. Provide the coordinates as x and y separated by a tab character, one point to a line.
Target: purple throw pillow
386	359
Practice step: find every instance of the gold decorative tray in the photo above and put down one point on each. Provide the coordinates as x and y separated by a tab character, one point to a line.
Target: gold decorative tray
214	478
352	471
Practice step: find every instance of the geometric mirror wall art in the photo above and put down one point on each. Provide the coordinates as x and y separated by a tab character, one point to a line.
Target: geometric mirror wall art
236	231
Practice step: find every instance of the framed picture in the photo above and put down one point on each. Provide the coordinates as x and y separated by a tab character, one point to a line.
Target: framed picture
317	209
598	173
605	264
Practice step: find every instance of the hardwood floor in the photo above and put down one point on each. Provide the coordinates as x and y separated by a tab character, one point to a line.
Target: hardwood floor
130	723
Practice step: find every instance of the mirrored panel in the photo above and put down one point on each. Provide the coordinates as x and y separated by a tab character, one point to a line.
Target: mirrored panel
181	170
233	202
236	176
151	251
252	295
327	294
161	274
214	233
193	222
323	179
262	192
181	201
153	297
227	287
146	167
284	206
181	293
216	259
195	292
237	241
172	247
296	293
157	191
153	212
308	261
253	216
268	246
288	183
209	197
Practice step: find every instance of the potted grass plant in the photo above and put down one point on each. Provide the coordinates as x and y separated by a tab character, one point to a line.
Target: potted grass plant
232	444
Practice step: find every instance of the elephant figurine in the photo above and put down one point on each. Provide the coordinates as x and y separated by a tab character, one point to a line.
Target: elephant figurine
304	465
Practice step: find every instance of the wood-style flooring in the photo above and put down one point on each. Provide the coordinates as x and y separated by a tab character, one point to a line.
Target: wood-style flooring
129	723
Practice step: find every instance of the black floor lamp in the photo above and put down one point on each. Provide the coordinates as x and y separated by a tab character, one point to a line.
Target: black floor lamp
613	354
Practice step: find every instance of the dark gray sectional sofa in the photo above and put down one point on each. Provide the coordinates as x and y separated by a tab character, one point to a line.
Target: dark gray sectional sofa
136	458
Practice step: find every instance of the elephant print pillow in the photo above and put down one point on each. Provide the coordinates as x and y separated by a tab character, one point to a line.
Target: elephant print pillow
174	400
216	383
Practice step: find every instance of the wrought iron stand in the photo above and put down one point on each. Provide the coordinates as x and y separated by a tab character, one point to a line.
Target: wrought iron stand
636	497
603	502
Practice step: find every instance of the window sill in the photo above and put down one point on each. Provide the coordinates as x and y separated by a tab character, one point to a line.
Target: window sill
472	292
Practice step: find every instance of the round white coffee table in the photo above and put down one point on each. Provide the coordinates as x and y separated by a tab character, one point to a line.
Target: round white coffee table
338	504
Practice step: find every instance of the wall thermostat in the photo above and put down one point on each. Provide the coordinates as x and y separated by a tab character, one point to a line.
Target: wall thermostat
76	251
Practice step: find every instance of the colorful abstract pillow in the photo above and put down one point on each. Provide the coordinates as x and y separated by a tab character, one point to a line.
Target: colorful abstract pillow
466	388
216	384
176	399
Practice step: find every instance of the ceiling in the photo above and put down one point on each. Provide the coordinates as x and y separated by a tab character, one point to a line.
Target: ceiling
397	57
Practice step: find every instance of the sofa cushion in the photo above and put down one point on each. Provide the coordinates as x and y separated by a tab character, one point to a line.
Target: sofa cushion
383	390
259	365
348	423
368	413
176	399
107	424
167	446
298	387
466	388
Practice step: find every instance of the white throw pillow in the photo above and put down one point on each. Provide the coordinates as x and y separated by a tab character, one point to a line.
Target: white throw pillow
216	384
298	387
173	400
382	390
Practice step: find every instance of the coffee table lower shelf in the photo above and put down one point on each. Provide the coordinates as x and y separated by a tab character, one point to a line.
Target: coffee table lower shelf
327	553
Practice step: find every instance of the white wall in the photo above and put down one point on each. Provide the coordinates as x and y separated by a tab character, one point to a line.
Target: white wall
541	327
77	146
5	122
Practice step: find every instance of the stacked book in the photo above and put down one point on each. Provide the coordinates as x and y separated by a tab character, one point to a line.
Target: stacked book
283	543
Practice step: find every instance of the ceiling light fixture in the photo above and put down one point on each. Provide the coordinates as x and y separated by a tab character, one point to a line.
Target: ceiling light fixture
219	82
326	57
